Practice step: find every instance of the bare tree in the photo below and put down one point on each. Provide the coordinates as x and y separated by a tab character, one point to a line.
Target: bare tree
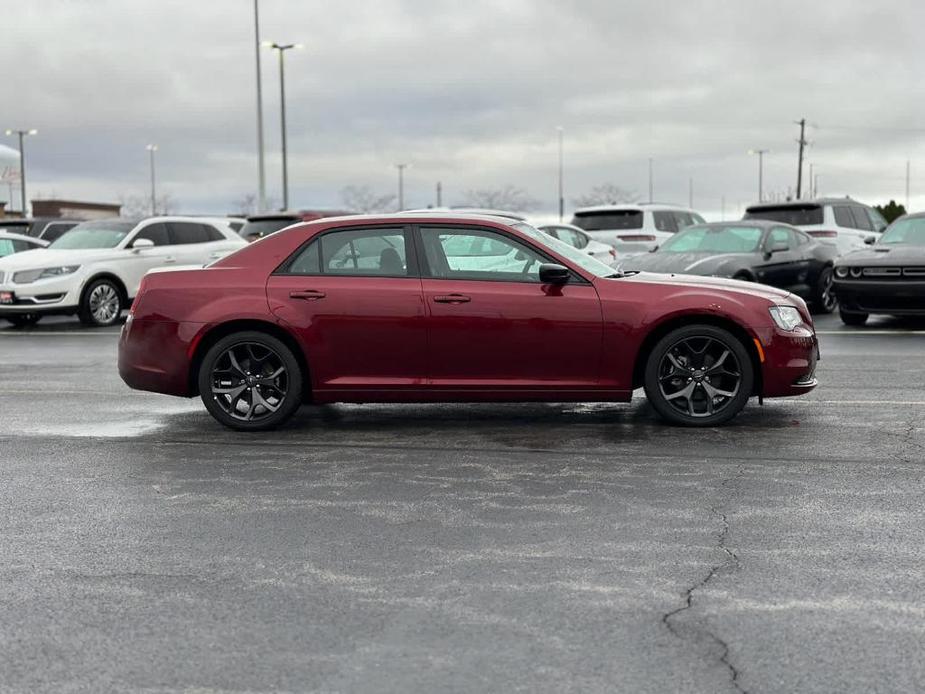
362	199
605	194
509	198
246	205
140	205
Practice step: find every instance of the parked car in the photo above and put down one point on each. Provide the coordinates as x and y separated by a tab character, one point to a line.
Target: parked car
886	278
46	228
632	228
260	225
577	238
450	308
754	251
16	243
846	223
94	270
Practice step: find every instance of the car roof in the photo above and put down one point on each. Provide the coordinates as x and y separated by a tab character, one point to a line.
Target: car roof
462	209
757	223
634	206
805	203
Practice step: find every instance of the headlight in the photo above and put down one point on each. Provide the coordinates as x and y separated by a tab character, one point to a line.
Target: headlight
841	271
786	317
29	276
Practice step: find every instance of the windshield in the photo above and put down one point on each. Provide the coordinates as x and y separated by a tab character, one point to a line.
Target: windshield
795	215
581	259
609	219
910	230
259	228
714	239
94	235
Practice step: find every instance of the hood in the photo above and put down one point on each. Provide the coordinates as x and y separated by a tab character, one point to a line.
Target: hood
688	263
49	257
885	255
759	291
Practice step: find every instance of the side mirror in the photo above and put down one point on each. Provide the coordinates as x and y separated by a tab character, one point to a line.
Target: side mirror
551	273
870	240
139	245
653	249
779	247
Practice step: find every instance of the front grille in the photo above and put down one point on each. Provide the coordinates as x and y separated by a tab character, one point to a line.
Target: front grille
882	271
914	271
882	274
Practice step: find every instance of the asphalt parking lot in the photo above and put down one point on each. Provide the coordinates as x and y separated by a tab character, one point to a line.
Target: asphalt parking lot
461	548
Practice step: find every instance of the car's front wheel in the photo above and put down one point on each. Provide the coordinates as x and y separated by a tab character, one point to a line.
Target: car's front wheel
699	375
853	318
824	300
24	320
250	381
101	303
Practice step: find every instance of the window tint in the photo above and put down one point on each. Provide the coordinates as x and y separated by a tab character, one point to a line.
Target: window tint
608	219
364	252
843	216
683	219
876	219
188	232
779	236
794	214
56	230
479	255
861	220
156	232
905	230
307	262
570	236
665	221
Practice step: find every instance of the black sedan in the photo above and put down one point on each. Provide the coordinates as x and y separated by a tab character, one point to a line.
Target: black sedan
751	250
888	277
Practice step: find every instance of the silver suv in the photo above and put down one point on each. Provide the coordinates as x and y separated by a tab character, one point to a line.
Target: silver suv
634	228
843	222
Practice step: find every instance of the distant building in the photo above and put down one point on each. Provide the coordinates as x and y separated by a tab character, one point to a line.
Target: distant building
73	209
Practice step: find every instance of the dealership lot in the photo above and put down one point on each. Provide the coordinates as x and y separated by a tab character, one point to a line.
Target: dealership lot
472	548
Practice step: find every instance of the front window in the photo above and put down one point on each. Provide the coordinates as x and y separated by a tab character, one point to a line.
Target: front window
794	215
477	254
607	220
714	239
101	234
582	260
910	230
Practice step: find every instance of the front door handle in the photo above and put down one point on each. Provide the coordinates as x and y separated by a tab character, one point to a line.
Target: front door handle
452	299
170	259
307	295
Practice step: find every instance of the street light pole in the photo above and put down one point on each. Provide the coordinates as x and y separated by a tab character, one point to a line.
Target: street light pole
401	185
281	49
151	150
561	132
261	167
651	186
22	164
760	153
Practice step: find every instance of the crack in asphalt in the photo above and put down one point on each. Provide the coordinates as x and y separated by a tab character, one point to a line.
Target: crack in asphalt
731	561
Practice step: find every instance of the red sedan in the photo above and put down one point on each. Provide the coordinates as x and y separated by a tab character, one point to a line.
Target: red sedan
443	308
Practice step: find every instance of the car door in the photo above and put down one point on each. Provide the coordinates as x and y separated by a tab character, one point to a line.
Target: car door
354	297
138	261
781	268
493	326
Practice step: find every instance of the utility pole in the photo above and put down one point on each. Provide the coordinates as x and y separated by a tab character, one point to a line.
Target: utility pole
22	164
760	153
261	168
812	191
651	186
151	150
439	194
281	51
401	185
560	130
802	141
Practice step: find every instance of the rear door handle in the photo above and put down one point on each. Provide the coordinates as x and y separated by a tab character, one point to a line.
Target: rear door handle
170	259
452	299
307	295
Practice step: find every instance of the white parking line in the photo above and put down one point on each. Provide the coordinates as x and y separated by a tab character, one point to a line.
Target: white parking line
56	333
870	332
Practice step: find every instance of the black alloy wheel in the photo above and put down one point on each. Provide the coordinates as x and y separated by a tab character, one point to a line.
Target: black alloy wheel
699	375
250	381
824	299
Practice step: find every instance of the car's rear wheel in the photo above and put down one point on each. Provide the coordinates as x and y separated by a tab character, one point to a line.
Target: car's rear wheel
250	381
23	320
101	303
824	300
699	375
853	318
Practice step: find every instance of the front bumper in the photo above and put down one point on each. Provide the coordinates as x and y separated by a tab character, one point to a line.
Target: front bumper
899	297
58	295
790	359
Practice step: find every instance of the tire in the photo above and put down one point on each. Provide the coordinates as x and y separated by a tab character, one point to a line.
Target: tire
717	387
101	303
823	297
743	277
233	391
24	320
855	319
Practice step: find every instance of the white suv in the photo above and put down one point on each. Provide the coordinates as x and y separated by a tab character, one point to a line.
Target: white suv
634	228
95	268
843	222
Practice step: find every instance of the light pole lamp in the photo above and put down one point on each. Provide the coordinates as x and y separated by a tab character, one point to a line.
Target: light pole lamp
401	185
151	150
760	153
22	163
281	49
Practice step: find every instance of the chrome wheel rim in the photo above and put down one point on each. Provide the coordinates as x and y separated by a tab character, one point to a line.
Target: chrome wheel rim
104	303
699	376
829	300
249	381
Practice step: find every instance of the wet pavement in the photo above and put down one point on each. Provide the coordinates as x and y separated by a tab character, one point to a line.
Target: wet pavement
461	547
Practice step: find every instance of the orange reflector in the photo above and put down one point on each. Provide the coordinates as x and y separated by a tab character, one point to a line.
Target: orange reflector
760	351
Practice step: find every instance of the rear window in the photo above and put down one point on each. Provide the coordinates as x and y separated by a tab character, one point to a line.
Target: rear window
258	228
609	219
795	215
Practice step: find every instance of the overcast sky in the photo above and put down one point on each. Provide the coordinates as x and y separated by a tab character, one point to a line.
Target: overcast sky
470	93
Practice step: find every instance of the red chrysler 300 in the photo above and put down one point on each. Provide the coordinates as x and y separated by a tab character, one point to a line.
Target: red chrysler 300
451	308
